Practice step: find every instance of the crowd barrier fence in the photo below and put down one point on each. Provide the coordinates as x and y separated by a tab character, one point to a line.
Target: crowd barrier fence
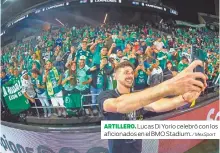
82	105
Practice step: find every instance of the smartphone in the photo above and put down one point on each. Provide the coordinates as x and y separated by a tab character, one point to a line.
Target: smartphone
195	56
200	69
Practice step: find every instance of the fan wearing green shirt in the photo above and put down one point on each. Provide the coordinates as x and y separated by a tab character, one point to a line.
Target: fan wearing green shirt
140	77
184	63
50	43
66	44
11	71
16	74
120	41
210	68
83	80
53	80
162	57
35	61
84	52
149	41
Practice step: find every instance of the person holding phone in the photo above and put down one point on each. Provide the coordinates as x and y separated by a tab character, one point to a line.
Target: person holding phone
122	104
141	76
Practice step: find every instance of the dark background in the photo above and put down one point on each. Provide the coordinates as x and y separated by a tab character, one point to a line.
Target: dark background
187	8
94	14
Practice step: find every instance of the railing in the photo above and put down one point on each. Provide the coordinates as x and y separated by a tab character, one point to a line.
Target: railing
82	105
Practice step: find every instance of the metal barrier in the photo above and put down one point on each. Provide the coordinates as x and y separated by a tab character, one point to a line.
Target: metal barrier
211	88
55	107
88	96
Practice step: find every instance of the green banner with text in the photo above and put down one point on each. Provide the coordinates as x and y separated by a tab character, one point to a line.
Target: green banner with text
14	98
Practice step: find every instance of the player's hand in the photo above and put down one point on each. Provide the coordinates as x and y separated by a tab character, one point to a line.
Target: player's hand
191	96
186	81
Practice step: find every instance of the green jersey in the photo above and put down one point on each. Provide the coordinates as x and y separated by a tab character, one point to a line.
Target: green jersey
179	55
149	42
210	70
100	80
82	77
38	81
87	54
162	57
141	79
119	42
68	86
97	55
92	34
133	35
150	32
181	66
50	43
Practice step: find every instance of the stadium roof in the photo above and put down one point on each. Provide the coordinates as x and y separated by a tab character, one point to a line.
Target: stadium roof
12	8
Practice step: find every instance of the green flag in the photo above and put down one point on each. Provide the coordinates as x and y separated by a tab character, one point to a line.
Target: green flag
14	98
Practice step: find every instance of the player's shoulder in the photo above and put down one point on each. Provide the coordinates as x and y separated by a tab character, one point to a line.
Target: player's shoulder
107	94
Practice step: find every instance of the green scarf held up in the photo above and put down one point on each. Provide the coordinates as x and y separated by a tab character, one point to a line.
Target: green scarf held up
49	82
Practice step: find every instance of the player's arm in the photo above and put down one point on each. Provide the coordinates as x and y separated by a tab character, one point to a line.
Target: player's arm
134	101
166	104
181	84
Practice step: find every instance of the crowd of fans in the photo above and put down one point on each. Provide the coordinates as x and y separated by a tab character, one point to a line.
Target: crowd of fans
58	63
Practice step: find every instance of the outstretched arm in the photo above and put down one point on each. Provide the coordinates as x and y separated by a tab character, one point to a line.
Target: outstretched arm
134	101
181	84
167	104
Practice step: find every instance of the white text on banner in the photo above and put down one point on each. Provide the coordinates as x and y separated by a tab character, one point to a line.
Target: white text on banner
160	129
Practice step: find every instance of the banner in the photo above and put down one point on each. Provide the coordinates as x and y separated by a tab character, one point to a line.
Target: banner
23	141
178	22
14	97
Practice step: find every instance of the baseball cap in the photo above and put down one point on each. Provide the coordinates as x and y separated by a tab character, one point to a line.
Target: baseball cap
125	58
118	50
24	72
82	57
48	61
114	56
